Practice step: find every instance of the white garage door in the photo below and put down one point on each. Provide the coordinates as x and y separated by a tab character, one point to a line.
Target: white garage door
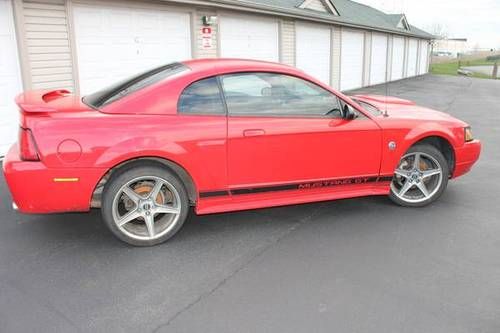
424	56
351	60
313	50
398	58
116	42
378	65
412	57
249	37
10	78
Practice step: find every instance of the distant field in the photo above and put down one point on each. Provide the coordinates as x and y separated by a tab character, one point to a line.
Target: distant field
450	68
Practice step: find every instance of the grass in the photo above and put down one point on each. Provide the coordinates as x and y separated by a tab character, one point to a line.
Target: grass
450	68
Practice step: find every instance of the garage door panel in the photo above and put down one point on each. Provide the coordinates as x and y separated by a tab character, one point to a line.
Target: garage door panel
148	21
247	37
313	52
115	42
91	56
351	58
119	20
90	21
378	62
10	78
3	97
398	52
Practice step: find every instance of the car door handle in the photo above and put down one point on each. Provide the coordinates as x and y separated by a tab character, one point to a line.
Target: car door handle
253	132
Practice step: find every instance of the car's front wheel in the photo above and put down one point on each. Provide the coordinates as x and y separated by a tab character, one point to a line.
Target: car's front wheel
420	178
144	205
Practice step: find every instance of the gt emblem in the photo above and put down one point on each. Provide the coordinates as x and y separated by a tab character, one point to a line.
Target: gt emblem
392	145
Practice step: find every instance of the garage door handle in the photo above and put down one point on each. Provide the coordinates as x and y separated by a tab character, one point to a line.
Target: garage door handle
253	132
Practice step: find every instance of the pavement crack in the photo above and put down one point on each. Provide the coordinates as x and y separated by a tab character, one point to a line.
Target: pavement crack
456	96
252	258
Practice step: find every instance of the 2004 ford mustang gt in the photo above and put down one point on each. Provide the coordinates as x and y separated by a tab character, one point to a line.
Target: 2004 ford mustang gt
224	135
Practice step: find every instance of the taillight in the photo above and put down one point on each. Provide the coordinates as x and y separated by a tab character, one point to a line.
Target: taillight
27	146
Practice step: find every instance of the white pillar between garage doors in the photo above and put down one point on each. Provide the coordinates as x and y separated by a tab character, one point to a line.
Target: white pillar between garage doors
405	62
388	76
367	59
336	45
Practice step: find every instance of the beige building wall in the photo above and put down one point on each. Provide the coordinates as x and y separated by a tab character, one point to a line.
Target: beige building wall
317	5
44	44
453	46
198	50
287	42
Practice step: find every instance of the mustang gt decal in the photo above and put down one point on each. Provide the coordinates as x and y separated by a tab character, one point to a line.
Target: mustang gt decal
300	186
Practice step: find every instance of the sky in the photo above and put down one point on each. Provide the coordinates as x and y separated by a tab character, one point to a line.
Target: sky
476	20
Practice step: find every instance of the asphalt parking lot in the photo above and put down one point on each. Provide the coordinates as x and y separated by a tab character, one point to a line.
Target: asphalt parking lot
358	265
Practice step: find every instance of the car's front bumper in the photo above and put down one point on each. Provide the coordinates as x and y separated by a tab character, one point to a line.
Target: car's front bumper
36	189
466	156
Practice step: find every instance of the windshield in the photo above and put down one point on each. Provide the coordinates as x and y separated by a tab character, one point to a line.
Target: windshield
126	87
368	107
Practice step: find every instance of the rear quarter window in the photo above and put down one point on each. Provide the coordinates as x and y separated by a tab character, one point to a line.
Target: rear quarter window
135	83
202	97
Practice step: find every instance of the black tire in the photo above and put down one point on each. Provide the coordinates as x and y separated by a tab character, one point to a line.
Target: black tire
123	177
443	164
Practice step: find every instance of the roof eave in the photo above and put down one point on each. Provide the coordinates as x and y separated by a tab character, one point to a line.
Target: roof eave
274	10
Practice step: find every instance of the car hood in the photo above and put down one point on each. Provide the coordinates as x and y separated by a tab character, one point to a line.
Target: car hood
397	108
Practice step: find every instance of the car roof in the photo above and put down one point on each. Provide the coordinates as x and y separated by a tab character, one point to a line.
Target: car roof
236	65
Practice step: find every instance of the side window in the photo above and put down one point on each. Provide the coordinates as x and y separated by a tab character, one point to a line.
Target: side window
262	94
201	97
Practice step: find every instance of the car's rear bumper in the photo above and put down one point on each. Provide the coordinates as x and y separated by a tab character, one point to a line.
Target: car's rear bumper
466	156
38	189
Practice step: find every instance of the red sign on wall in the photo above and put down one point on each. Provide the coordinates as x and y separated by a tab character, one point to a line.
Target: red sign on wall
206	37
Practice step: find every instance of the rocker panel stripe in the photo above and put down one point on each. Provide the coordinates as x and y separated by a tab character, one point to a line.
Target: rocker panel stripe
296	186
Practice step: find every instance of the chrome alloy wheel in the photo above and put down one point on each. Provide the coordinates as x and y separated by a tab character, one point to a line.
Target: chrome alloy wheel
146	208
417	178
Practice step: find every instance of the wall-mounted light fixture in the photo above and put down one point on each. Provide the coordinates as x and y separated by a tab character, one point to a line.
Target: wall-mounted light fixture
209	20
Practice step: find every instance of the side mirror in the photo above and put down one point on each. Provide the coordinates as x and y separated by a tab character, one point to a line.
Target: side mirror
349	112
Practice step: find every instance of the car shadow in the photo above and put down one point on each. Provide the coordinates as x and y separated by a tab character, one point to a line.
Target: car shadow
89	227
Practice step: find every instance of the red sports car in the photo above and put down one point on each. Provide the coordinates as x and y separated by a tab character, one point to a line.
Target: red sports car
224	135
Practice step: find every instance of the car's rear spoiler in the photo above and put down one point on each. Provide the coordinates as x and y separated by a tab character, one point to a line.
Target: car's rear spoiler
36	101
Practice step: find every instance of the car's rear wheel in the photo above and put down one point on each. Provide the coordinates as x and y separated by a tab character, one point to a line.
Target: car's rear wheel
420	178
144	205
